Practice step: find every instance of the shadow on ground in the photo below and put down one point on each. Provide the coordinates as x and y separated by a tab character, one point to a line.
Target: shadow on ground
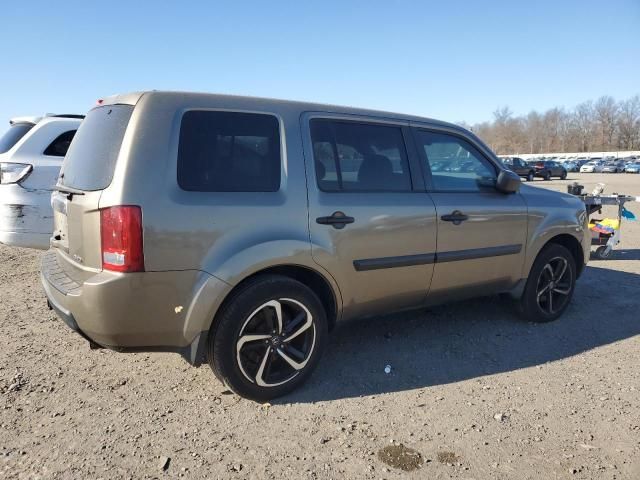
469	339
621	254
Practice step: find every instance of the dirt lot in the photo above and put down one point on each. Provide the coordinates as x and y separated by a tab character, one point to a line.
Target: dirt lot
475	391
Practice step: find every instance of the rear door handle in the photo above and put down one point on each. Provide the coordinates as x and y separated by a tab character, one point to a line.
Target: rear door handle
337	220
457	217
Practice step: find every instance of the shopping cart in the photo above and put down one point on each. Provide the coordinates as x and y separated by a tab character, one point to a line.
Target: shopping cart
605	233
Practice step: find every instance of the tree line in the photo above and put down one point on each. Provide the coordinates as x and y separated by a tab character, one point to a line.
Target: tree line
603	125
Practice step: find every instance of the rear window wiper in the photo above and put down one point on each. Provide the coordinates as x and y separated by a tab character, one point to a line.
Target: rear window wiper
70	191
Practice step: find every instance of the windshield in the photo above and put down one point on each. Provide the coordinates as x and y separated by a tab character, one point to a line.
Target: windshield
13	135
92	156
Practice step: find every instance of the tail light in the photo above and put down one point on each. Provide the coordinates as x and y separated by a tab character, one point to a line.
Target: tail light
14	172
121	234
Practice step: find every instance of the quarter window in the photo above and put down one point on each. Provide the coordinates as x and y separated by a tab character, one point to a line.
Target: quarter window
455	164
229	152
352	156
59	147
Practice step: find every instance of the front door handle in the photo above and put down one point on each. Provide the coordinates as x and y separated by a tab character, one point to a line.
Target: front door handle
337	220
457	217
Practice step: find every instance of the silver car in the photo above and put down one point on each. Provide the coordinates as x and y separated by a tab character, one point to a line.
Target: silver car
31	153
238	231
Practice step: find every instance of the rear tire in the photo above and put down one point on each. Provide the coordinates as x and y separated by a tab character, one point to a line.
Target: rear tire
550	285
563	176
268	338
530	176
547	176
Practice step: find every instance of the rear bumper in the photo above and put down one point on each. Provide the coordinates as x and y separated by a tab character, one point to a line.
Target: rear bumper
26	217
149	311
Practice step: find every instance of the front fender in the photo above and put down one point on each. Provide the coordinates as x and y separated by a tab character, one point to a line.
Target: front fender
551	216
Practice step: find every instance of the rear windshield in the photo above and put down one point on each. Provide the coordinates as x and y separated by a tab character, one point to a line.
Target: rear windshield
13	135
92	156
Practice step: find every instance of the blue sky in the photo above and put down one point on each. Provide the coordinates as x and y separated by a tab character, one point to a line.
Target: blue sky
450	60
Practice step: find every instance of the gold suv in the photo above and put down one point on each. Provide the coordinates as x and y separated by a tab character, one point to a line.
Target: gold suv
237	231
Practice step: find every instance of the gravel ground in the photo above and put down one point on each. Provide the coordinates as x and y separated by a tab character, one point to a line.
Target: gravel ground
473	392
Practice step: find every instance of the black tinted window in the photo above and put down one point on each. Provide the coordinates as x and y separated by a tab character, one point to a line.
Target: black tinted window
455	164
362	157
59	147
91	158
229	152
13	135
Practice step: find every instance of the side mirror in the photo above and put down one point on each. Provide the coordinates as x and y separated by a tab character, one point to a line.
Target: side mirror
508	182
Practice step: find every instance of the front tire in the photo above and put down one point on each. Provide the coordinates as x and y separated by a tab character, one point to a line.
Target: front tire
550	285
530	176
547	176
268	337
563	176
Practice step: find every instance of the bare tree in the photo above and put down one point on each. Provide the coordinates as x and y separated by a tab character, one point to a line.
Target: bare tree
603	125
534	132
629	124
584	124
606	112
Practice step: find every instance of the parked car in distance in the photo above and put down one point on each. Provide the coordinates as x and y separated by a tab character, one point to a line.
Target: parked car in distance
520	167
591	167
632	168
582	160
237	231
570	166
612	167
31	154
547	169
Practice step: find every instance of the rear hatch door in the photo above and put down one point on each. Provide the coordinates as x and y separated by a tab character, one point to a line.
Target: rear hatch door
86	171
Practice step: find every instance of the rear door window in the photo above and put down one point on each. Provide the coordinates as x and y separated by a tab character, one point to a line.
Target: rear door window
91	158
13	135
351	156
229	152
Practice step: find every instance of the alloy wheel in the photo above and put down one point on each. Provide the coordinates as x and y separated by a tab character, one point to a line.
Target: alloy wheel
554	285
276	342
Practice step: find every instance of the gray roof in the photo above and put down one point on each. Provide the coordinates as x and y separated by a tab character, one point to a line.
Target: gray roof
132	98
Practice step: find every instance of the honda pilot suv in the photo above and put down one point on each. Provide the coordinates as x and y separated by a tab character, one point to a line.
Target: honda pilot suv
238	231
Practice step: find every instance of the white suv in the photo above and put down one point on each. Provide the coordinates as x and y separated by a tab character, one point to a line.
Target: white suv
31	154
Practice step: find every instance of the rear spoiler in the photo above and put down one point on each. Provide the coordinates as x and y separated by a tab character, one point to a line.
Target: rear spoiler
34	120
121	99
67	115
31	120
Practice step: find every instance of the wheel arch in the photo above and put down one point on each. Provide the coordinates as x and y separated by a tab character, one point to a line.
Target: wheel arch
326	291
319	283
316	281
572	244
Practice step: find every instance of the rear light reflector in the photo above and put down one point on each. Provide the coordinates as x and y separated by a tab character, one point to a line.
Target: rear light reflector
121	235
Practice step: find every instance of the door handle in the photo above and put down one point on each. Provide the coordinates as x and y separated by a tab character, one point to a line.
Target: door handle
336	220
457	217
